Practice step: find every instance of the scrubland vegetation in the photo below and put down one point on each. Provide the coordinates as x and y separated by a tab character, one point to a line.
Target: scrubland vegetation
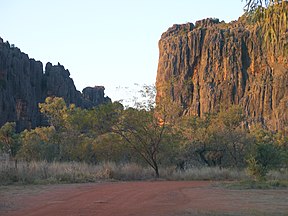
144	142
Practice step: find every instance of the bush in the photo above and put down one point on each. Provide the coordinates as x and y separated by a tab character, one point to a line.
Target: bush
264	157
256	170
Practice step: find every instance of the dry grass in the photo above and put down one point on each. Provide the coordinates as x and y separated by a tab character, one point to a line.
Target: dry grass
43	172
74	172
208	173
69	172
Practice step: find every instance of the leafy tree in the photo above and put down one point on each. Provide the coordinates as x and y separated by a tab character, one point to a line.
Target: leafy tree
148	94
93	122
111	147
9	142
37	144
72	127
263	158
232	117
55	109
235	141
271	22
195	138
106	116
76	128
252	5
268	152
142	132
217	139
144	129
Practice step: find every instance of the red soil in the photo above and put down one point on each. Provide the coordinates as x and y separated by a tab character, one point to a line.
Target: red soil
140	199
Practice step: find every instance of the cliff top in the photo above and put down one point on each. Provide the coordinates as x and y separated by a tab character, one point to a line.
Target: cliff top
266	16
180	29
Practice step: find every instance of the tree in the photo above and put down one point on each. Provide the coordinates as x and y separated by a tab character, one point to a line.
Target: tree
72	126
217	139
252	5
235	140
55	109
196	145
271	22
9	139
77	129
267	152
38	144
111	147
142	132
143	128
232	117
264	157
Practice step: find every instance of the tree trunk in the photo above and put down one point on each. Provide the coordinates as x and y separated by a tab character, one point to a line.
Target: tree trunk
156	169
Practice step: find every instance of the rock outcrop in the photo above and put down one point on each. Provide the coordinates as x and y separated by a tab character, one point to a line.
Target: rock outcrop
212	64
94	95
23	85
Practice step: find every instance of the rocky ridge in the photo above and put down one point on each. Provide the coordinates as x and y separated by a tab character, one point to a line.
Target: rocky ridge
212	64
24	84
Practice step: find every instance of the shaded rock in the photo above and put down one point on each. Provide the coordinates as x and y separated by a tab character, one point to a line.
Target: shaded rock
94	95
23	85
57	82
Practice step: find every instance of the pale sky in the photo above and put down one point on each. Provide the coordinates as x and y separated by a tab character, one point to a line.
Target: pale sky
109	42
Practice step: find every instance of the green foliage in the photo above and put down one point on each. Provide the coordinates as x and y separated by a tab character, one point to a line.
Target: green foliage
256	170
252	5
38	144
99	133
232	117
76	128
55	110
264	157
9	139
216	139
271	22
111	147
145	135
106	117
142	132
268	155
148	94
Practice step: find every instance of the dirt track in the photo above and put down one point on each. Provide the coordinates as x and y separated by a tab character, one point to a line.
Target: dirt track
140	199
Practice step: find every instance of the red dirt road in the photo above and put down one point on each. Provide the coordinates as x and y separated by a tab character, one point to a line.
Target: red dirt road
140	199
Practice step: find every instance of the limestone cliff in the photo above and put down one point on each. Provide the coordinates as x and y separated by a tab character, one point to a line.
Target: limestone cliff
23	85
213	63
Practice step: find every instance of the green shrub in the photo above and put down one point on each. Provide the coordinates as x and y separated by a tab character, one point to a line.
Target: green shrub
256	170
264	157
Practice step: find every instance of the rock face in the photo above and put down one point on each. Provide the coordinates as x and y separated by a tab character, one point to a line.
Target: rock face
94	95
212	64
23	85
